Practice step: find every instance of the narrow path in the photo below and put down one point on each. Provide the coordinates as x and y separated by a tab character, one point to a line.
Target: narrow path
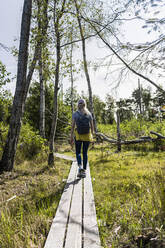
75	224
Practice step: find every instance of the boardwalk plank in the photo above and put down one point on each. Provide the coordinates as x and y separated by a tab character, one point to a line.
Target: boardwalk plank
75	216
56	234
74	232
91	233
63	156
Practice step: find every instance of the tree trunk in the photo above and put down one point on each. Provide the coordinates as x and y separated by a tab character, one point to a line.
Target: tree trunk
118	132
140	97
7	161
42	97
91	108
56	86
55	104
42	26
55	112
71	78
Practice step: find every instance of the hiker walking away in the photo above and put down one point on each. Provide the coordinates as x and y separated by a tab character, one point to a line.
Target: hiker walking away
82	133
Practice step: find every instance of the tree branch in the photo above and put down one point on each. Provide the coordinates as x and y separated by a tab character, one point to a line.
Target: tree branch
124	62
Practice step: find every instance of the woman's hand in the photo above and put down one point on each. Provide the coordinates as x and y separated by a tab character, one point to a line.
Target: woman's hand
71	141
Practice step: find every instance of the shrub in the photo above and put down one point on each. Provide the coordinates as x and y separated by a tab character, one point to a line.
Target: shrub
3	135
30	143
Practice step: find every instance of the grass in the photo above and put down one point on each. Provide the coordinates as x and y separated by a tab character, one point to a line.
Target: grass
129	197
25	219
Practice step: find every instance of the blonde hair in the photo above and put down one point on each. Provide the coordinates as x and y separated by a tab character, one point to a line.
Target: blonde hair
82	108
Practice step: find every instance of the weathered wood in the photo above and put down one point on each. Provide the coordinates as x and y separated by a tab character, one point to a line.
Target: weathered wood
90	233
160	136
142	139
56	234
13	197
75	224
63	156
74	230
106	138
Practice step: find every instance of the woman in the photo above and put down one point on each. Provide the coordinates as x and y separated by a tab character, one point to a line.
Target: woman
81	119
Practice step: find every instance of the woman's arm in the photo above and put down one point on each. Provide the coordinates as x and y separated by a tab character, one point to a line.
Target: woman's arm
72	131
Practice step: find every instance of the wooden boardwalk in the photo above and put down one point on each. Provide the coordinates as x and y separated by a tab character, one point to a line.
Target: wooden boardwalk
75	225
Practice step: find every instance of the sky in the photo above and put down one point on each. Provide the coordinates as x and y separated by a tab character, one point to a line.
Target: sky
10	21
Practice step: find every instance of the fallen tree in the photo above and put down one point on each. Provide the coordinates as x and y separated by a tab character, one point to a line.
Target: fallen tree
141	139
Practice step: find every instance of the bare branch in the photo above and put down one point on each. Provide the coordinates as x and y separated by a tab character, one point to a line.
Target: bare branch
124	62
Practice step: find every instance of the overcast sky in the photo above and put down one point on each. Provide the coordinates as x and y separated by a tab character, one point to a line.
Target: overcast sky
10	21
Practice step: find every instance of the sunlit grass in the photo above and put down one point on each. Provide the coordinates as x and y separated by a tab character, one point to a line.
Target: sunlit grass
25	220
128	189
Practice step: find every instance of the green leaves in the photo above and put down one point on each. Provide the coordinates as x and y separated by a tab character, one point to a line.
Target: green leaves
4	75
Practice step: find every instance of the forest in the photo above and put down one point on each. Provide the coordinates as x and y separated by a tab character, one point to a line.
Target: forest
127	154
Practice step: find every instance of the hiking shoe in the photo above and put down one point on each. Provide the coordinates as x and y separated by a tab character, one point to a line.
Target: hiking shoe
83	173
79	172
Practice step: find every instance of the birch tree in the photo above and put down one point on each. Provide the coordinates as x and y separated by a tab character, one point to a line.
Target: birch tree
77	6
57	15
43	25
7	161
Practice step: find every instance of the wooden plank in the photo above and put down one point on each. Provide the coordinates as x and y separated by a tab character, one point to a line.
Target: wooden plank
74	231
63	156
56	234
91	233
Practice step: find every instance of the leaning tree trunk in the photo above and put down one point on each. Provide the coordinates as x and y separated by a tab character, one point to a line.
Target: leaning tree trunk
7	161
55	107
91	108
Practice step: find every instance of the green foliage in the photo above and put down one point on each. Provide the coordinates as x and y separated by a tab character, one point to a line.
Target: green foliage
5	95
126	109
32	110
3	135
4	75
64	120
32	107
75	97
31	144
5	108
134	129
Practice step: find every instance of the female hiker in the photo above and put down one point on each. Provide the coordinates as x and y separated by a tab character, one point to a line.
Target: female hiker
82	133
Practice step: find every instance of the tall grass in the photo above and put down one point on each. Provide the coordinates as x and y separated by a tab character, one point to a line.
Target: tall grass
25	220
129	197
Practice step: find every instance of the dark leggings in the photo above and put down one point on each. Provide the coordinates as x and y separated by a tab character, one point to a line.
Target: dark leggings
78	144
